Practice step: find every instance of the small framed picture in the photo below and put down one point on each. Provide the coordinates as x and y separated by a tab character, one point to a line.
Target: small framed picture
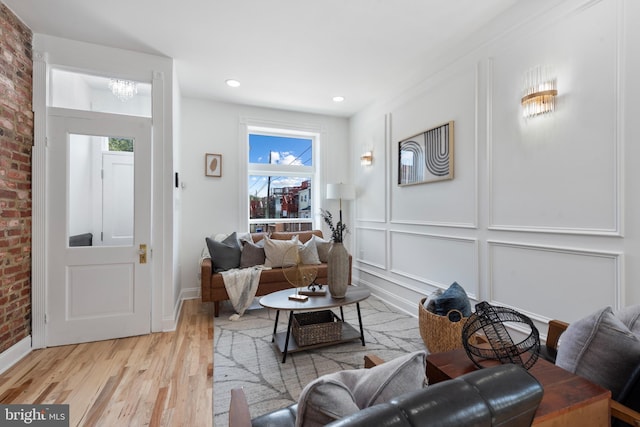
213	165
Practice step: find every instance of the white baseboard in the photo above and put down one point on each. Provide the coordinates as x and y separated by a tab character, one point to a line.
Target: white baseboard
15	353
171	322
408	307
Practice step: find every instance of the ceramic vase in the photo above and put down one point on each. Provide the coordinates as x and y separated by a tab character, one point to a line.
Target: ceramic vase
338	270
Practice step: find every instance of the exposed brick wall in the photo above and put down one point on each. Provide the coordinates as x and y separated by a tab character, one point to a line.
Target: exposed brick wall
16	140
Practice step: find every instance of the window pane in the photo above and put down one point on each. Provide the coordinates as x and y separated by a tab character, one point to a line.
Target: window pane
279	197
80	91
101	198
280	150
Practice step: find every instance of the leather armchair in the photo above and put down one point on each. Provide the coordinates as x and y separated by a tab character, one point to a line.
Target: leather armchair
505	395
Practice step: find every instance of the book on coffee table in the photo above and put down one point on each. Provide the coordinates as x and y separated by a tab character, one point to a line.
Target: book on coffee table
313	293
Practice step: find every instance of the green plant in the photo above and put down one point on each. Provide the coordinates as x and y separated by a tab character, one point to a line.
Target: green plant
338	230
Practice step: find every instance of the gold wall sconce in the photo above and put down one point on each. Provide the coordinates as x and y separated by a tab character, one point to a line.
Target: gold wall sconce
540	91
366	159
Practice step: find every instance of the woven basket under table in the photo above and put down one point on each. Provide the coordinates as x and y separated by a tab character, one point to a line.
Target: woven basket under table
438	332
316	327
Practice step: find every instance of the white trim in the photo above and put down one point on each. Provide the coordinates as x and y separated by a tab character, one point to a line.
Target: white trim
39	202
616	257
15	353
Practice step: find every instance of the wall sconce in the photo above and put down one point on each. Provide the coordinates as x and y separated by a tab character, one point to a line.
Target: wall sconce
539	94
366	159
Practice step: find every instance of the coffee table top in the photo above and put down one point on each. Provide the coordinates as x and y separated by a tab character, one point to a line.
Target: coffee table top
280	300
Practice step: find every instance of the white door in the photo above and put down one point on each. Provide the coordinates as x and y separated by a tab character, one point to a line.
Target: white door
97	289
117	176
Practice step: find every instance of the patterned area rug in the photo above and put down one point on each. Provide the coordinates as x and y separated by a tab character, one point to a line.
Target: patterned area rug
244	355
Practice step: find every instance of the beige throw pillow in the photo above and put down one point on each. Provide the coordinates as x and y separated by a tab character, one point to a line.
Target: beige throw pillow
276	251
308	253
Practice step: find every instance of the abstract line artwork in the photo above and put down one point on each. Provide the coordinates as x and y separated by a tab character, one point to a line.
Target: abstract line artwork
426	157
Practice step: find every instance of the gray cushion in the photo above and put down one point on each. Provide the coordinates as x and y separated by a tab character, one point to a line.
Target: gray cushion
252	254
225	255
629	316
343	393
454	298
323	246
601	349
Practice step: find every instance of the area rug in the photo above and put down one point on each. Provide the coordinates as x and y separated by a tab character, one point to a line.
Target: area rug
244	355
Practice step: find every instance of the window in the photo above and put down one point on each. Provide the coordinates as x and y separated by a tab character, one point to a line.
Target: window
281	179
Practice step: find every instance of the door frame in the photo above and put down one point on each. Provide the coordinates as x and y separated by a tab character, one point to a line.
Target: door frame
164	306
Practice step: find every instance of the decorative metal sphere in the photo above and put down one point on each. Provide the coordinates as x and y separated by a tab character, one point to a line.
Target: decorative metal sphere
486	338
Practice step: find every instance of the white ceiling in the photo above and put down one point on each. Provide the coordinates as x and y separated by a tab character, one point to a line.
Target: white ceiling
289	54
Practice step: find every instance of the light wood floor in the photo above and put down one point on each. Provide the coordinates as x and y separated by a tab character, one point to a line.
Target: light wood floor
161	379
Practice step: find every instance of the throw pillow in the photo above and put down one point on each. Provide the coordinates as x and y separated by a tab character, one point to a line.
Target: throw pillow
430	302
323	246
279	252
225	255
630	317
454	298
308	252
601	349
252	254
343	393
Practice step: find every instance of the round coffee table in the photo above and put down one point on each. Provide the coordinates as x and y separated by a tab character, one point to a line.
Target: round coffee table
280	301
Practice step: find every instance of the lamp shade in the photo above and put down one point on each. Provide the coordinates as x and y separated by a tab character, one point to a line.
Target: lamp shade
341	191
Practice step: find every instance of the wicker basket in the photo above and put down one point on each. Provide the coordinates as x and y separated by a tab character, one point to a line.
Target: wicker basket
438	332
316	327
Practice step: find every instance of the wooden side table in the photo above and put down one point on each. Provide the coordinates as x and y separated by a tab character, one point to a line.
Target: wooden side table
569	400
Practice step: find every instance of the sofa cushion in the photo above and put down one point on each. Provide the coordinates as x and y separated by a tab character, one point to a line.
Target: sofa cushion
454	298
252	254
343	393
308	252
601	349
280	252
323	246
225	255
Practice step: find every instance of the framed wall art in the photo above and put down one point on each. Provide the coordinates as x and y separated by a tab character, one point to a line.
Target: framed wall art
213	165
427	156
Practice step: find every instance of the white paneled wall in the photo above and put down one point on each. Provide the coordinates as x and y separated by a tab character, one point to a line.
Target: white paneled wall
539	214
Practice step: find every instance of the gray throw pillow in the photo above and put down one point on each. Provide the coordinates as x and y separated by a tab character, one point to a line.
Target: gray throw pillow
343	393
225	255
454	298
323	246
601	349
630	316
252	254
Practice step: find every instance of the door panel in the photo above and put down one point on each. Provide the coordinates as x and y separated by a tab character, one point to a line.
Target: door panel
97	292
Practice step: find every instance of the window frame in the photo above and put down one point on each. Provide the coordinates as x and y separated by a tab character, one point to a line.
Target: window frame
266	169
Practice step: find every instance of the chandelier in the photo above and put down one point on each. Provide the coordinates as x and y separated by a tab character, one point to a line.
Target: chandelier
124	90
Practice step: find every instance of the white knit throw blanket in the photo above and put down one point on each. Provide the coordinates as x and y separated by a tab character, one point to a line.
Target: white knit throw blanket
241	285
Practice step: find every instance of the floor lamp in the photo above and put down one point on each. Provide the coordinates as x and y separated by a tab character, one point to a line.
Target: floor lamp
341	192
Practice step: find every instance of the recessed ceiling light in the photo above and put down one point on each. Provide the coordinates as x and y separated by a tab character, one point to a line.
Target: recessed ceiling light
338	98
232	83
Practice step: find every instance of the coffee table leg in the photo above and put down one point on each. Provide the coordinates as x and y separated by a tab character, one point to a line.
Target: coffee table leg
286	340
275	327
359	320
341	313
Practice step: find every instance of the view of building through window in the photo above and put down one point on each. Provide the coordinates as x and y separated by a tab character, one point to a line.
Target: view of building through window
280	182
